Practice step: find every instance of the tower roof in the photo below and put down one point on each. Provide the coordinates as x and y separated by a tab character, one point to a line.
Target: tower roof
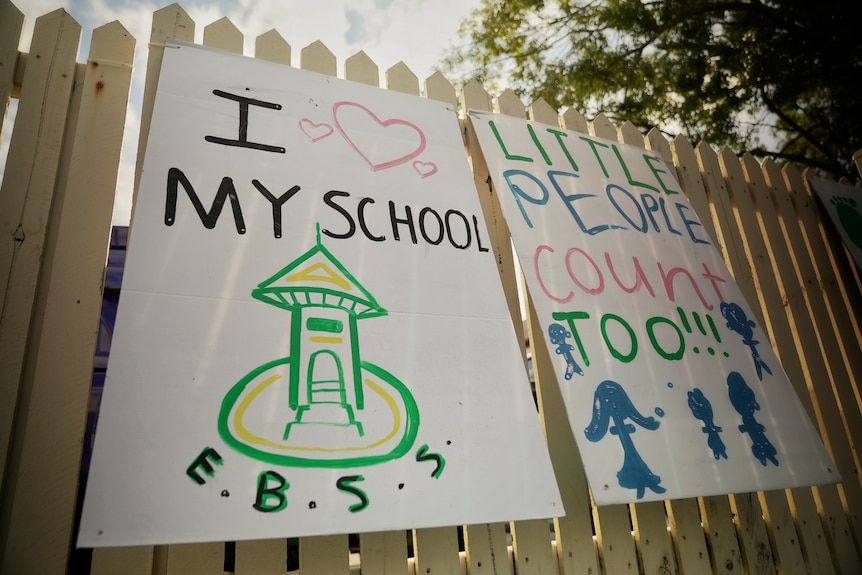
317	278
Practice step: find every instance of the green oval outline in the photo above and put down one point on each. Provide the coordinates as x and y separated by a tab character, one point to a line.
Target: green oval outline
411	427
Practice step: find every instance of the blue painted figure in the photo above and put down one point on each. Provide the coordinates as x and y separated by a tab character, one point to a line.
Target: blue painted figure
612	403
745	403
559	335
737	321
701	409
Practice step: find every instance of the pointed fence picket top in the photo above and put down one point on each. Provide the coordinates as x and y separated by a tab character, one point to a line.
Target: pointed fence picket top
316	57
721	221
401	79
272	47
629	134
692	184
437	87
510	104
602	127
169	22
26	196
475	97
541	111
656	142
575	121
223	35
361	68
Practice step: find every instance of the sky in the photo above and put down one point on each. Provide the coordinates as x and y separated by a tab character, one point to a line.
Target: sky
417	32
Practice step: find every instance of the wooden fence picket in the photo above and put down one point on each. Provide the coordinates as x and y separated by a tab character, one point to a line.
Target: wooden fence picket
435	551
26	194
55	388
62	166
361	68
486	544
272	47
384	552
576	548
649	520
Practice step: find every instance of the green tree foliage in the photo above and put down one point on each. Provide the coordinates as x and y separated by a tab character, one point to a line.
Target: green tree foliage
779	78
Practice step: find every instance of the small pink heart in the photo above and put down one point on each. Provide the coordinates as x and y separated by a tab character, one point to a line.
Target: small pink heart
314	131
425	169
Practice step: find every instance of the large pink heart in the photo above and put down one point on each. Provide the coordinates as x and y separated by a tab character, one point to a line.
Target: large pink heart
382	144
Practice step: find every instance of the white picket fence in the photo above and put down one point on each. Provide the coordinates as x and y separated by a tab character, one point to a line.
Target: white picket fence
55	215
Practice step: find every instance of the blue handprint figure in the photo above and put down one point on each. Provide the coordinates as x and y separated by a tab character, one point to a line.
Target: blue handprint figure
612	403
745	403
737	321
559	335
701	409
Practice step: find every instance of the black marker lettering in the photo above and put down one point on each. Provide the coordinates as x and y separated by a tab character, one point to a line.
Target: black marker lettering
422	214
327	198
344	484
408	219
242	140
266	493
360	212
203	461
208	218
276	204
452	241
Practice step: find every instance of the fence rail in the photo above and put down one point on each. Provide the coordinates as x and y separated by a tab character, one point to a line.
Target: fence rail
56	200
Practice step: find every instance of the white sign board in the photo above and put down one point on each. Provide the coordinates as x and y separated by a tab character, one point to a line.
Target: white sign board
312	337
843	203
670	384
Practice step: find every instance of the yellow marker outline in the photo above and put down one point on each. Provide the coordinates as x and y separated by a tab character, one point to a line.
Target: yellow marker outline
308	274
250	437
325	339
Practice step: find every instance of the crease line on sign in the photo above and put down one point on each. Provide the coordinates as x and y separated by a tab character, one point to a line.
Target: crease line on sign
256	302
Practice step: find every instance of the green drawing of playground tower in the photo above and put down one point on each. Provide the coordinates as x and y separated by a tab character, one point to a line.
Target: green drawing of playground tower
325	302
342	411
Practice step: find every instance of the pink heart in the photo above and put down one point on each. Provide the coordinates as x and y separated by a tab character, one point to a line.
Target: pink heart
425	169
314	131
379	151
